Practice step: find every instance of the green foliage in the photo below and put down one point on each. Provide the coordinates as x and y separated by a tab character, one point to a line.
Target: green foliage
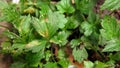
110	33
80	55
46	33
64	6
88	64
111	5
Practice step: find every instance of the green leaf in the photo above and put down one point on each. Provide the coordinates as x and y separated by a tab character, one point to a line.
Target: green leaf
3	4
99	64
64	63
41	27
111	5
64	6
80	54
48	28
88	64
6	46
110	29
85	6
72	23
51	65
17	65
57	19
74	43
11	35
112	45
87	27
24	26
36	45
34	58
115	56
17	48
61	54
60	38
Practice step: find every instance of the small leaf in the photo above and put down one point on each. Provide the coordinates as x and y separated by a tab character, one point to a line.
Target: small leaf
57	19
115	56
40	27
65	6
85	6
36	45
99	64
110	29
88	64
80	54
112	45
11	35
87	27
17	65
75	42
17	48
111	5
24	26
34	58
51	65
64	63
60	38
72	23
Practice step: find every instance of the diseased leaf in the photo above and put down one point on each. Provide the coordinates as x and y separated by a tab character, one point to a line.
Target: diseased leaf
17	48
111	5
64	6
41	27
36	46
24	26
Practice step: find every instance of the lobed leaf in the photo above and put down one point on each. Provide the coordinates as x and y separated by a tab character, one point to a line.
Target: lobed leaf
111	5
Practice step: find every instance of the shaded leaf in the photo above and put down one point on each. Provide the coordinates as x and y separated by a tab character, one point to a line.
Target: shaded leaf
17	65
